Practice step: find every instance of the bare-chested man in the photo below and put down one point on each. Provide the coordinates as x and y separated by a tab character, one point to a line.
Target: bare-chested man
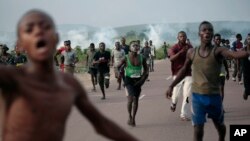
38	99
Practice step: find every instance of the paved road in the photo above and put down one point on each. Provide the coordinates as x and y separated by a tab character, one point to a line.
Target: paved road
155	121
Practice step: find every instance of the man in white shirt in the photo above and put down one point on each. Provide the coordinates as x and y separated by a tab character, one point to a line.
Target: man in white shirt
70	58
117	55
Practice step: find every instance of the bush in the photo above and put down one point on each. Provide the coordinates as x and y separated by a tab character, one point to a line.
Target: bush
160	53
80	54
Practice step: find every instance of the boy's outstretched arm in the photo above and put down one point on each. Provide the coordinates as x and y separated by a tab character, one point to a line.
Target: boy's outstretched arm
232	54
102	125
182	73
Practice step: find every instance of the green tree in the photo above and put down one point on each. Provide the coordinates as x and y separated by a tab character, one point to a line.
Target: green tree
159	53
80	54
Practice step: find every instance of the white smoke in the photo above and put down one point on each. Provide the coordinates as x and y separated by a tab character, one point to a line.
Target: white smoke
83	37
155	34
77	38
159	33
106	35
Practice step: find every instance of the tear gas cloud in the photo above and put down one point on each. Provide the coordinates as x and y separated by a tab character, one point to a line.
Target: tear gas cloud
82	35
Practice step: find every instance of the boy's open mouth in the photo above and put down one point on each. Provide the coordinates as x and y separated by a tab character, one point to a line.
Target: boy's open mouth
207	37
41	43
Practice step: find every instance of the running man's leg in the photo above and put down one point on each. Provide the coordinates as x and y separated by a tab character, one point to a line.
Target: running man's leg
198	132
221	128
135	108
101	83
198	115
152	63
215	112
118	77
106	79
246	84
129	107
133	98
222	85
234	70
93	81
185	109
92	75
149	64
95	76
176	93
240	71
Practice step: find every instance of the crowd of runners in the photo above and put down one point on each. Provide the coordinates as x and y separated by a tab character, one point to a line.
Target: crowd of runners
38	94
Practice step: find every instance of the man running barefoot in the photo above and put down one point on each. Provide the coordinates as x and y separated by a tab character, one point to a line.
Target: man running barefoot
92	70
177	56
206	61
116	56
134	79
38	98
102	59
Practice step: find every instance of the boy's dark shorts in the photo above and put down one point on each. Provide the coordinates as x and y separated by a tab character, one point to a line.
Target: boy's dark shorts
129	85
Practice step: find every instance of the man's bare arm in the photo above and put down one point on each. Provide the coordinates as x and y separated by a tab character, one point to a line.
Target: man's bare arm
144	74
102	125
176	56
232	54
182	72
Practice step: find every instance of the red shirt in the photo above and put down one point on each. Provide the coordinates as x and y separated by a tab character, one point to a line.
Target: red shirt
177	64
60	50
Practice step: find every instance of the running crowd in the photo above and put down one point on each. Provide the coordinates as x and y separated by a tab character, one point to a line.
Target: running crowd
31	112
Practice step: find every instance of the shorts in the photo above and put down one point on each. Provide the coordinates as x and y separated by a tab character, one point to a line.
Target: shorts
69	69
222	80
131	89
103	78
148	61
117	72
92	71
210	105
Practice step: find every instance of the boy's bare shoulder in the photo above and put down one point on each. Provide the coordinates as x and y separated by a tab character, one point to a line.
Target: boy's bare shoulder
10	71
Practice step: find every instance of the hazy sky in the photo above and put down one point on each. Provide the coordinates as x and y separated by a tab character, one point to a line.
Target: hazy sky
103	13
